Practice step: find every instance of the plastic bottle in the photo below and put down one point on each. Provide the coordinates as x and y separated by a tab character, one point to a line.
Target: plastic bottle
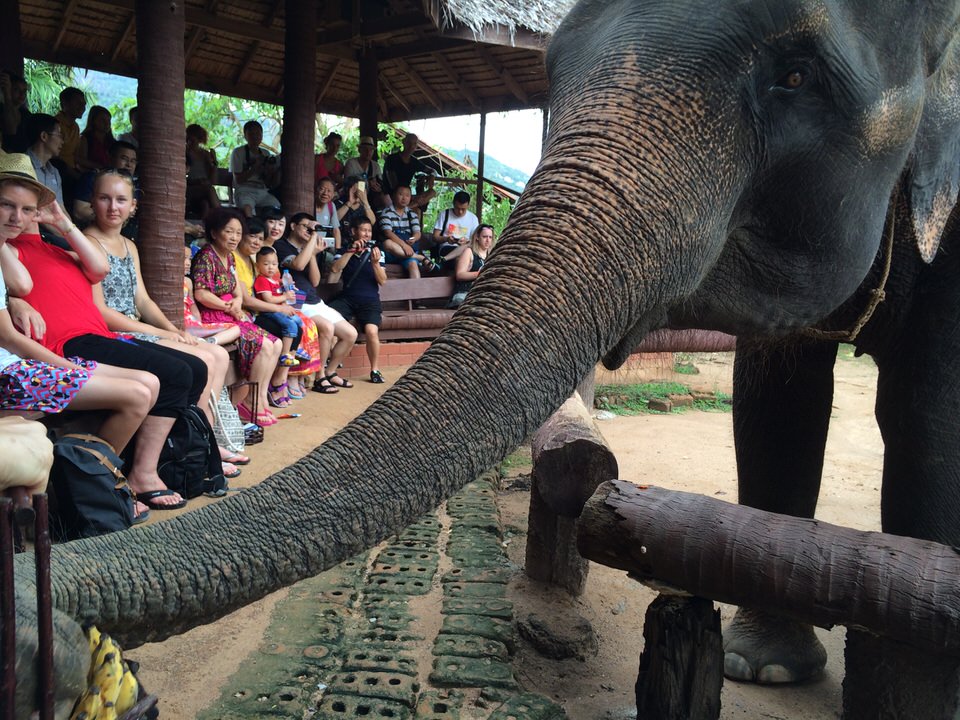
288	285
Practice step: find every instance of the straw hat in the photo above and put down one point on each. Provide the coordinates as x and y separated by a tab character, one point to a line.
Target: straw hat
16	166
365	140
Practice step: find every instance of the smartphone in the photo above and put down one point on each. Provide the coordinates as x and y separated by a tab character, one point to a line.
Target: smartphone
362	185
329	241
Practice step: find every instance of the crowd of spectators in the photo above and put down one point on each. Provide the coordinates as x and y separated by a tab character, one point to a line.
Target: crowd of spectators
79	330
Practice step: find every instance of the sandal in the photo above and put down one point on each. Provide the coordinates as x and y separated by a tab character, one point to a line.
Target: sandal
288	360
235	458
327	389
295	391
344	383
264	417
376	377
230	470
283	400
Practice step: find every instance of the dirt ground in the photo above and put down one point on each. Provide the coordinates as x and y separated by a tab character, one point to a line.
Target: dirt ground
690	451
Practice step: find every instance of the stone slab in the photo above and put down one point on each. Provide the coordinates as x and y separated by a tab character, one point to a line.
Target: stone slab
335	706
528	706
363	660
471	646
485	627
500	575
474	590
472	672
487	607
395	687
439	705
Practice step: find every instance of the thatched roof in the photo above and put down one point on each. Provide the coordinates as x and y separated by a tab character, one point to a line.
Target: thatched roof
534	15
435	57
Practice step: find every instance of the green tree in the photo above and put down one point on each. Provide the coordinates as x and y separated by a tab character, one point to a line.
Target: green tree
46	80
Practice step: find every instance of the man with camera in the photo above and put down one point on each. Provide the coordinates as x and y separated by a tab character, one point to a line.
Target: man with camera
362	271
454	228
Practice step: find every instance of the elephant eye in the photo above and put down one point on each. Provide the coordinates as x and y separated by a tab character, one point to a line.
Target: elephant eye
793	80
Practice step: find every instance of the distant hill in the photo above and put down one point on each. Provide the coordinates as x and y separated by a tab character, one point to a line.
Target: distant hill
492	168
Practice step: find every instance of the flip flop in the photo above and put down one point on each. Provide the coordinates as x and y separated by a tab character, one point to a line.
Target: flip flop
230	470
344	383
295	392
236	459
147	499
142	517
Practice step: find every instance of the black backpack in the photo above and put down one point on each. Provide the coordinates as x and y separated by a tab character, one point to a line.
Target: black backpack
190	460
89	494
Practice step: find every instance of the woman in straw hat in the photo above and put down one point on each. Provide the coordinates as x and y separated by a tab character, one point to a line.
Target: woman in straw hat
31	376
70	324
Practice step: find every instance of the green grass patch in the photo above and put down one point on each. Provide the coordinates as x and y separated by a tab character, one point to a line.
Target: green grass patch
517	463
632	399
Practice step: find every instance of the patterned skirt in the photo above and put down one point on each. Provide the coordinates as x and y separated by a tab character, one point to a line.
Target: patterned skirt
36	385
310	342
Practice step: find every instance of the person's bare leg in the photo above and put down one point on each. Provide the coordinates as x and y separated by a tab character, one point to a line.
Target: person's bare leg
346	338
262	369
128	394
143	477
325	332
371	334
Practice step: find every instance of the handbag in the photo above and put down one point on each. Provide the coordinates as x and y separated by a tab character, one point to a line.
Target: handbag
90	495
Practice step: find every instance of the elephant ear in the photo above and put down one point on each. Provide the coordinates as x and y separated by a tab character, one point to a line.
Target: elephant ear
934	178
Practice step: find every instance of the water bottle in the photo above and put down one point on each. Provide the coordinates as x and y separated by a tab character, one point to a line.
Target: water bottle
288	285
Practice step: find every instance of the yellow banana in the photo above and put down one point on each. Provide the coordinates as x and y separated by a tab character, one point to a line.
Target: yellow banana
105	647
89	706
108	676
129	690
107	712
93	636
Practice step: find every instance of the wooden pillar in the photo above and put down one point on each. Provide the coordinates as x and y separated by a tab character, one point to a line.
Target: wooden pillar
299	108
11	43
480	157
160	66
369	94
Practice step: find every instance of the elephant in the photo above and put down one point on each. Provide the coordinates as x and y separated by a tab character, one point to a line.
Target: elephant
782	170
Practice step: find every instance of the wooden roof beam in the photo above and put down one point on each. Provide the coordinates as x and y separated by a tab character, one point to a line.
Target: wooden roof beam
118	44
64	23
322	89
512	85
419	82
420	47
498	35
397	96
371	28
462	85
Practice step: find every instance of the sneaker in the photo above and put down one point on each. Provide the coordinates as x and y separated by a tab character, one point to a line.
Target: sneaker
376	377
288	360
302	354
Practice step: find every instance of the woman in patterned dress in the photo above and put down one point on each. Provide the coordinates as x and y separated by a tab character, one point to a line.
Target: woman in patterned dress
220	299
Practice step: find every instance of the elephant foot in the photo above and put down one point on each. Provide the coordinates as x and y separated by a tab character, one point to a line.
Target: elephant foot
768	649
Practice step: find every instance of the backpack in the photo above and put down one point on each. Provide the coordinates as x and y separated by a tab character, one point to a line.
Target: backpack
89	494
190	460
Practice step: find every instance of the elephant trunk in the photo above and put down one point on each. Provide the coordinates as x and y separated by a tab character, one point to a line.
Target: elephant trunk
538	318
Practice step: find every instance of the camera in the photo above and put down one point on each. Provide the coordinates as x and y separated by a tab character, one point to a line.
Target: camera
370	244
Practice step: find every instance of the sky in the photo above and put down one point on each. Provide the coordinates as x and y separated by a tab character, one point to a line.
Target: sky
513	138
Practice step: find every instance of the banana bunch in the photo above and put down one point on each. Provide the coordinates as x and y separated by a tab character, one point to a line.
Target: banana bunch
113	688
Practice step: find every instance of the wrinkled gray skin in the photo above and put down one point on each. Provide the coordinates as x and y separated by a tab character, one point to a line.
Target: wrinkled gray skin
736	158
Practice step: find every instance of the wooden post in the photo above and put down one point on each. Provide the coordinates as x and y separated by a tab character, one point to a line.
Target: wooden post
11	41
160	63
299	108
570	459
369	94
681	667
480	158
898	587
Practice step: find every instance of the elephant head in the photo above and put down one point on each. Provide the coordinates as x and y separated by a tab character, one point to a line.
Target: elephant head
734	161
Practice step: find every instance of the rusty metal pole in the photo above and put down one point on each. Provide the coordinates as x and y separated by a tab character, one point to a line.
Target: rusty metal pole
41	545
8	630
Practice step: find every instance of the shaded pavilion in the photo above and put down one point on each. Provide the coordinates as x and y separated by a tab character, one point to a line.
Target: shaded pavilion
377	60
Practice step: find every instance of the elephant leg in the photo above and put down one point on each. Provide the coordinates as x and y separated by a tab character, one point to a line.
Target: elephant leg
918	411
782	398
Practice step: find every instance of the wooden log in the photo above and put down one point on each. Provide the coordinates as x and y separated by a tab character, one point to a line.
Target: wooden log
681	667
570	458
897	587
